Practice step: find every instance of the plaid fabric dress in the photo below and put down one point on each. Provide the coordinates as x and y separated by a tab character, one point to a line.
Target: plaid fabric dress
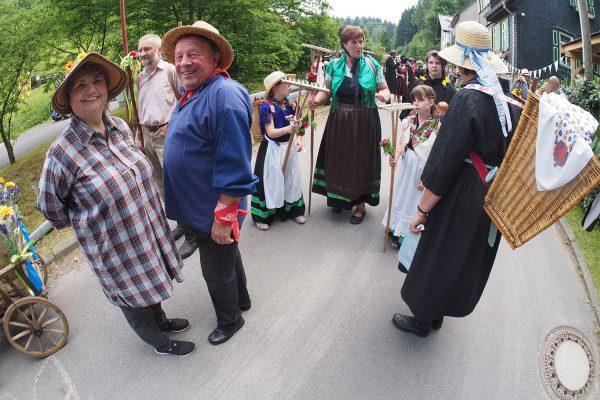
104	188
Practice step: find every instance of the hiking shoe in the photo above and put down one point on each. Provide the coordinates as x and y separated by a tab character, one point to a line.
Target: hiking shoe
178	348
176	325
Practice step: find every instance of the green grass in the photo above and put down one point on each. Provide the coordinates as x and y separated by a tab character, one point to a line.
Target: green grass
34	111
589	242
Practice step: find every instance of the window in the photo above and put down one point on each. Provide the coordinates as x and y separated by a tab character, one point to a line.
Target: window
591	8
484	3
501	35
559	38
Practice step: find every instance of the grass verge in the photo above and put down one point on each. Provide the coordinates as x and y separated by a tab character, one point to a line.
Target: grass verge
26	174
34	111
589	242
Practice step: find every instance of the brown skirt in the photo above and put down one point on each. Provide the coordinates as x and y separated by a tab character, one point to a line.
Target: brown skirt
348	169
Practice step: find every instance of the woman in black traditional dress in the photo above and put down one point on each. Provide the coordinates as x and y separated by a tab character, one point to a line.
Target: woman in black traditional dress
457	249
348	169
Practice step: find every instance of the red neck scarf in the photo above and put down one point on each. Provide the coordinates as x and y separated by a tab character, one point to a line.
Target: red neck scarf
189	93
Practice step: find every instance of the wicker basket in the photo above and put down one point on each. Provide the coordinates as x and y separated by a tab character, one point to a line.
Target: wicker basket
513	202
255	128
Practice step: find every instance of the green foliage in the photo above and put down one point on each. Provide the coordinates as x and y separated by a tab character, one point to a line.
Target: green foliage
20	28
586	94
425	18
406	29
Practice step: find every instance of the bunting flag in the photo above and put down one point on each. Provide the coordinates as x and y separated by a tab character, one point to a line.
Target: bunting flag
541	72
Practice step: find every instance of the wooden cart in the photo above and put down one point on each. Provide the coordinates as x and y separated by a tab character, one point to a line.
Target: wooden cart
32	324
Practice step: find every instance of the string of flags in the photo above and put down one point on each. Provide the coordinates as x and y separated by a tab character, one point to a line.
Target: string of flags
546	71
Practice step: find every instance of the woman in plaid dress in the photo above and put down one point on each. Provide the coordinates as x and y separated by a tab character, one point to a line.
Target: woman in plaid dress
98	182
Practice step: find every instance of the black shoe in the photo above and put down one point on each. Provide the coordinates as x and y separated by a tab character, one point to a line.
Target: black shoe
437	323
176	325
187	249
412	325
177	232
245	307
402	268
224	333
178	348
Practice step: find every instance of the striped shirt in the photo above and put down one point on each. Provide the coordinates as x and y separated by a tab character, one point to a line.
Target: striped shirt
104	188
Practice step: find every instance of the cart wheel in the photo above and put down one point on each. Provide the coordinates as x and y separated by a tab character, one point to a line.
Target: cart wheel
35	326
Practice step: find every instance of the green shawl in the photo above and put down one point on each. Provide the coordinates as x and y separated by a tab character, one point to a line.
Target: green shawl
367	80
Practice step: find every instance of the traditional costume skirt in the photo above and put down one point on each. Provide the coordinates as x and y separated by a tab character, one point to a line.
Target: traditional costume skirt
348	169
406	195
277	193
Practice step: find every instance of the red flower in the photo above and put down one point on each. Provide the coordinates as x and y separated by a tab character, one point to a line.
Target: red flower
133	53
383	143
304	124
311	77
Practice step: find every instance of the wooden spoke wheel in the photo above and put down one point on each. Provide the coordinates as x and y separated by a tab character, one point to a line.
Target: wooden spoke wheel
35	326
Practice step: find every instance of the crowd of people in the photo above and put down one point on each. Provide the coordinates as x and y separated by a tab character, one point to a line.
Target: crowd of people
190	162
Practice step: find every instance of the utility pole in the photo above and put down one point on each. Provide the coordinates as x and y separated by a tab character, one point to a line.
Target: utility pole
586	39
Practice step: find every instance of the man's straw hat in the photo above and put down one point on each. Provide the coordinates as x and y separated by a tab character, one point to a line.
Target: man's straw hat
474	35
199	28
525	72
117	81
273	79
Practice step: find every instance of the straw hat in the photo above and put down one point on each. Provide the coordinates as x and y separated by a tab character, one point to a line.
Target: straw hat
199	28
472	34
117	80
525	72
273	79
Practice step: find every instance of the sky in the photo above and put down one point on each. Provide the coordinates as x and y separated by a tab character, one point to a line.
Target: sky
389	10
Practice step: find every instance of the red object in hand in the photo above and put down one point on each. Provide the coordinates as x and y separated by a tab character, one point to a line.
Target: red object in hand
229	216
383	143
133	53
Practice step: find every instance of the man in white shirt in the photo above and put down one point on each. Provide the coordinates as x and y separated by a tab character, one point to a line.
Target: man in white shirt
158	94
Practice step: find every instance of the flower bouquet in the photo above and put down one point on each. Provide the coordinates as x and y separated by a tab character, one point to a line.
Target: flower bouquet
132	62
387	148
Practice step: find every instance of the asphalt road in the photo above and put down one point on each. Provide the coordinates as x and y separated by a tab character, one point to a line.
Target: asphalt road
32	138
323	296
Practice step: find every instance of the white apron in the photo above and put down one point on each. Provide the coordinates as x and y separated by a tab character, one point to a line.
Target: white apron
279	188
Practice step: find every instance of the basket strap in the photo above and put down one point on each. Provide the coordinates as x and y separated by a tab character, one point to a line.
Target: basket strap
485	90
478	163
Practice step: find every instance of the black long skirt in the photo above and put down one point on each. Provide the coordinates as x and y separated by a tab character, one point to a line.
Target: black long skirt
348	168
258	205
453	261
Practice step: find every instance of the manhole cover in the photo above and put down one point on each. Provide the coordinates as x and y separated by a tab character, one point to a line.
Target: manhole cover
567	364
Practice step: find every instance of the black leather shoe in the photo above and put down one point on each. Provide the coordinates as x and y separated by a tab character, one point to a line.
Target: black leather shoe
187	249
411	325
437	323
224	333
245	307
402	268
177	232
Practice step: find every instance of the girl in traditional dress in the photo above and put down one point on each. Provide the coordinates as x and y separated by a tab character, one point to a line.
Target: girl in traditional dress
417	128
348	168
278	192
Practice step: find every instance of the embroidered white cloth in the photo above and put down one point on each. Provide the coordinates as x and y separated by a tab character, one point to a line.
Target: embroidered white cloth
563	142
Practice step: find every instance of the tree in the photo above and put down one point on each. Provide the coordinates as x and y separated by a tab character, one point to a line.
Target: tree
406	29
20	29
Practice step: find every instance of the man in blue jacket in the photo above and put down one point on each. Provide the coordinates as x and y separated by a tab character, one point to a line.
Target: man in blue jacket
207	165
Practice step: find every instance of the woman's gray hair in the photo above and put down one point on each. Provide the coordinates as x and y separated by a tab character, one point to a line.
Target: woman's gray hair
155	39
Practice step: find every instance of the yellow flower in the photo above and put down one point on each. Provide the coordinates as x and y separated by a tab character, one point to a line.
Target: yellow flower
10	185
6	211
423	78
1	180
445	81
80	56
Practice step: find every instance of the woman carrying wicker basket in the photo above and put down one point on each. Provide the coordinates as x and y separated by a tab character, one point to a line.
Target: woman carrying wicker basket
458	242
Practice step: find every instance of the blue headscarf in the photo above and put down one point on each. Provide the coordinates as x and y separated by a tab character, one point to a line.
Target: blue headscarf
487	77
